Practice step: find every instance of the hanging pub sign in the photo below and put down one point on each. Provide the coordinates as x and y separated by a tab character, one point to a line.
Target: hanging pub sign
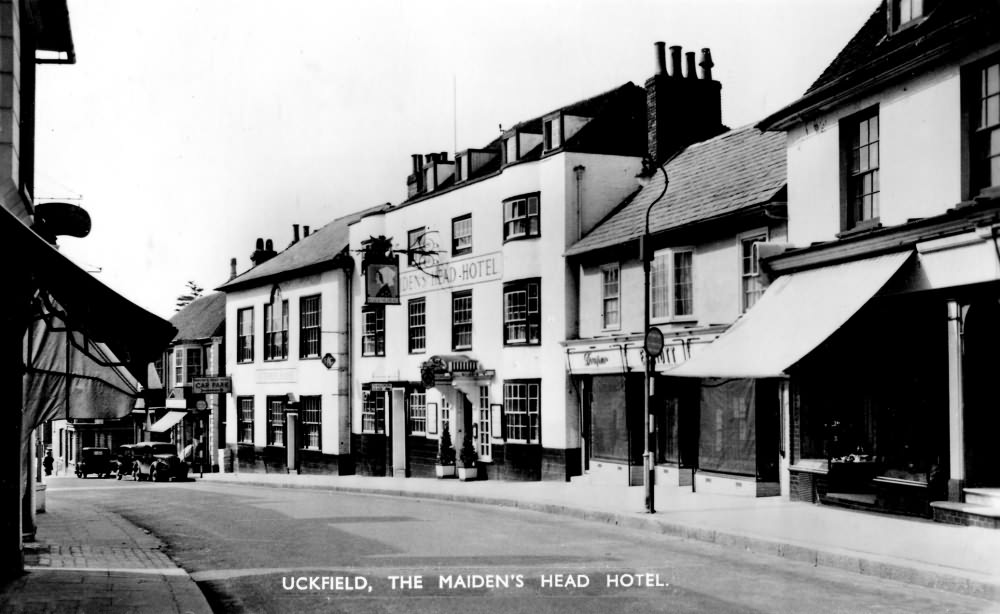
382	283
381	269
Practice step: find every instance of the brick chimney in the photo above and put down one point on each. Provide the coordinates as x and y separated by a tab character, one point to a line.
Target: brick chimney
232	268
263	252
681	110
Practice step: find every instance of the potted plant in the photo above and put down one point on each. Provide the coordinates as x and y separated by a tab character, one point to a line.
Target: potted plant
468	469
445	467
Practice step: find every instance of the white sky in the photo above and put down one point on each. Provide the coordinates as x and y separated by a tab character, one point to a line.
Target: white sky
192	127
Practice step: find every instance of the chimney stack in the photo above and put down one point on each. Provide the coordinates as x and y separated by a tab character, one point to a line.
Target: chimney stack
661	58
232	268
295	233
681	109
264	251
305	231
675	61
415	181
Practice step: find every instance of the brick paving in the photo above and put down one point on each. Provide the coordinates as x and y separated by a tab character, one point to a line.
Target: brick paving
86	561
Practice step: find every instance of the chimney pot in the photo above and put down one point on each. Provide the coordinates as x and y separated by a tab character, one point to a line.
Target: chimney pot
232	268
260	243
661	57
706	64
269	245
295	233
417	162
443	156
675	61
305	231
691	72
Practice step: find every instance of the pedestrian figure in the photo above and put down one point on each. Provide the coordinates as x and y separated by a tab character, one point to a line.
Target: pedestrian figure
48	461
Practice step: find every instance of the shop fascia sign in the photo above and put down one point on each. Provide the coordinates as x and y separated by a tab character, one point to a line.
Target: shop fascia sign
628	356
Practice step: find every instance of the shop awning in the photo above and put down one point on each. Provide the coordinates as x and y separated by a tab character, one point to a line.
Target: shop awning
70	376
796	313
167	421
134	335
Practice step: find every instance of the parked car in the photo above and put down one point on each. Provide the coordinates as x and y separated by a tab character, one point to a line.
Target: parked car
125	461
158	461
94	460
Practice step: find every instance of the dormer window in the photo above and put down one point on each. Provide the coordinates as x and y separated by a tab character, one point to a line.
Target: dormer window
552	132
510	149
905	12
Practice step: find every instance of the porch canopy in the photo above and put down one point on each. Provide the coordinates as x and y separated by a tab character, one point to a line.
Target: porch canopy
797	312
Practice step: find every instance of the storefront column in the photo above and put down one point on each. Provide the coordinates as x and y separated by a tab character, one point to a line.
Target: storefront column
956	428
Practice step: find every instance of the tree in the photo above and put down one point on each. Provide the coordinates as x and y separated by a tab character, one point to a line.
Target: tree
193	292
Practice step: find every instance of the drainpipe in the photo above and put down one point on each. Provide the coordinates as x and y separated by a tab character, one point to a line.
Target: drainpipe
579	170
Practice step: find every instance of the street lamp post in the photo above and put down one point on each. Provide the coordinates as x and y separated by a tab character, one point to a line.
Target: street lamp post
646	253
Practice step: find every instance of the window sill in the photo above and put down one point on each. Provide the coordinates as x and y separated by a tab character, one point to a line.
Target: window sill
461	348
310	357
373	355
690	320
464	252
509	344
860	228
275	360
521	238
417	352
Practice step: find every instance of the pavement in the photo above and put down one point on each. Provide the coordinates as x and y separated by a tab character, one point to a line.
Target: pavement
112	565
118	567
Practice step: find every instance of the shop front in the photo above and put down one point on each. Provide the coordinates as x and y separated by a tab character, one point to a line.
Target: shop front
608	376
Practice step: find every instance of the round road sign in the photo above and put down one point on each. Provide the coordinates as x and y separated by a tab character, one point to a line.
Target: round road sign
654	341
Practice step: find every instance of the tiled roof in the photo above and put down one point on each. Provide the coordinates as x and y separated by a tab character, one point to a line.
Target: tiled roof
733	171
319	249
202	318
871	57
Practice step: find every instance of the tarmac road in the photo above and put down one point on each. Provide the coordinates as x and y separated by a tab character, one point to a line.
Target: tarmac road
258	549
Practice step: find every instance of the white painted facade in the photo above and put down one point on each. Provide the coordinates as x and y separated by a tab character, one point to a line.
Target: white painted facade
568	207
920	137
300	376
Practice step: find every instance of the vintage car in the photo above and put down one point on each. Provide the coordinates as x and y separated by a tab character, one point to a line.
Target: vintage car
94	460
124	461
158	461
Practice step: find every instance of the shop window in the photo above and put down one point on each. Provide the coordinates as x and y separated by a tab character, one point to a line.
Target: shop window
860	146
521	218
417	417
417	315
984	132
461	235
276	331
373	333
751	284
461	320
372	412
245	408
671	284
309	326
276	421
522	323
522	405
244	335
610	296
312	421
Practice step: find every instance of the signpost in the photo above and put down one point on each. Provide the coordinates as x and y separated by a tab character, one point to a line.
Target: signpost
212	385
